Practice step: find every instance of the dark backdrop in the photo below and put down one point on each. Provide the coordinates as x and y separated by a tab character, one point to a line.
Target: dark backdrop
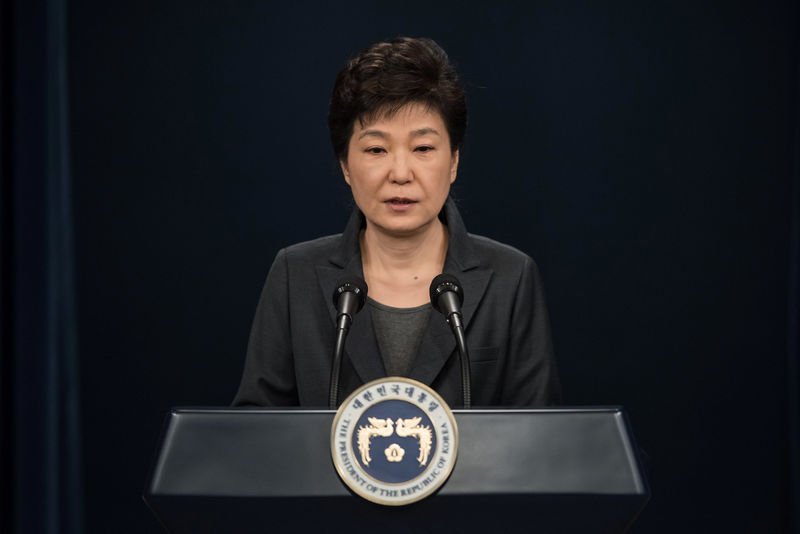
641	152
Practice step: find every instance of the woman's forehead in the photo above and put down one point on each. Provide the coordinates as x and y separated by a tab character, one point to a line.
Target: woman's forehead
409	115
398	113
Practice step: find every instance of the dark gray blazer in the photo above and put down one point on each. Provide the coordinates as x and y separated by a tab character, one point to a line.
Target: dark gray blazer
507	328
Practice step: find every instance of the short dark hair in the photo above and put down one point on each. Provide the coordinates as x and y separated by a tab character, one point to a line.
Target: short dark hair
387	76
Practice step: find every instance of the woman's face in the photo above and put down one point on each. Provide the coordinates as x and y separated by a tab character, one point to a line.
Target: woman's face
400	169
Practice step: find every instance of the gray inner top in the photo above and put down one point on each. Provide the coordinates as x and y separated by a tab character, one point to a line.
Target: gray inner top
399	332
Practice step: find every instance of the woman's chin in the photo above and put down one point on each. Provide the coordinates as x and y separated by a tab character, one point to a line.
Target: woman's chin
402	229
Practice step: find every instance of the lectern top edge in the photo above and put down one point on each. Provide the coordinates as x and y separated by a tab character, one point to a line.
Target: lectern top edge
257	409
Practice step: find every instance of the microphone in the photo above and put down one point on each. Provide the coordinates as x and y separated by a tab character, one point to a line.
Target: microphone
348	298
447	298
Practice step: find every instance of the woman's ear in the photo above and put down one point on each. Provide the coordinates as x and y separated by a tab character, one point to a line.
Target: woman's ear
345	172
453	166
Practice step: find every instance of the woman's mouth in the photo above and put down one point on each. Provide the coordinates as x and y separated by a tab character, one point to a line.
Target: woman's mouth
400	203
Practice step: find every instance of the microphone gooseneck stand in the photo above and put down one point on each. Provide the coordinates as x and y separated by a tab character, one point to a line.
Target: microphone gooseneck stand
333	391
447	298
348	298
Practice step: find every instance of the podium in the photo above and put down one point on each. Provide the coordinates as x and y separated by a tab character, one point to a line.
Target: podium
517	470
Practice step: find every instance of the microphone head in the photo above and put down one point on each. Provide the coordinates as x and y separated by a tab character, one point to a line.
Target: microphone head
351	284
442	284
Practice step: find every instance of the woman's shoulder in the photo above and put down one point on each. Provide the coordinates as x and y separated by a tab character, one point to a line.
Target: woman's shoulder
491	253
319	248
505	261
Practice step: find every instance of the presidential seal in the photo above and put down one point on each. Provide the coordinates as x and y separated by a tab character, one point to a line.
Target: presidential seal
394	441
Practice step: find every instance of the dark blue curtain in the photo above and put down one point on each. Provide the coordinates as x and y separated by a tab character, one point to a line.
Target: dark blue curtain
47	490
793	330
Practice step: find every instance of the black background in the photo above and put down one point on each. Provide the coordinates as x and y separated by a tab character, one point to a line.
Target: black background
641	152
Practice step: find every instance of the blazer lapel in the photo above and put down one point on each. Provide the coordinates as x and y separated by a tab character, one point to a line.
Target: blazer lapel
438	342
361	346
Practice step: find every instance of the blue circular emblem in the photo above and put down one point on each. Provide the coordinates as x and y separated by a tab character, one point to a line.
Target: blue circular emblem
394	441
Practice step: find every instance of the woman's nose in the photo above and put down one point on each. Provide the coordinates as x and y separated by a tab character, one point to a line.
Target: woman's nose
400	171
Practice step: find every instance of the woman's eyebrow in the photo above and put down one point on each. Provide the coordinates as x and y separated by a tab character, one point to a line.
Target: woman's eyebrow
372	133
424	131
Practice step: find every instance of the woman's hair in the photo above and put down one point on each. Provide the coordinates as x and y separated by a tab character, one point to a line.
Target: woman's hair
387	76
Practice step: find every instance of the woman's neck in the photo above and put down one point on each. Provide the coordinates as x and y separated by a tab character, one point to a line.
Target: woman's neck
398	270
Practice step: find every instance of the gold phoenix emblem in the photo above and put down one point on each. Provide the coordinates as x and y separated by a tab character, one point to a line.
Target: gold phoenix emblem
404	428
410	427
377	427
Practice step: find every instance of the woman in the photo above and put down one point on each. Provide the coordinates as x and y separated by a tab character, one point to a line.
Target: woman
397	120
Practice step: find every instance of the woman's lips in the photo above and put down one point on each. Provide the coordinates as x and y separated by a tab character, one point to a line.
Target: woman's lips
400	203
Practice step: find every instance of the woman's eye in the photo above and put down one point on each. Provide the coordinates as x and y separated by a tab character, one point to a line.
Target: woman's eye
375	150
424	148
